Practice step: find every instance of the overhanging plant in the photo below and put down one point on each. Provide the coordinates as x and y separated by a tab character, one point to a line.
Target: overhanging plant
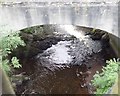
104	80
7	44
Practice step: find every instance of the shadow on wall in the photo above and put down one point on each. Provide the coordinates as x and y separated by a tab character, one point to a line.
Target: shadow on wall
115	43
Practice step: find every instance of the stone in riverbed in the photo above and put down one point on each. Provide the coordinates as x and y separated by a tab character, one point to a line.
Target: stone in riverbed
96	35
19	79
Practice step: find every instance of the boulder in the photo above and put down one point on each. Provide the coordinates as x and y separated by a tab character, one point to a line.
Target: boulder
97	35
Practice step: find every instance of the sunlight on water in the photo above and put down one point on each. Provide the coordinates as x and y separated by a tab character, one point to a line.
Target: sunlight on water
59	53
71	30
80	35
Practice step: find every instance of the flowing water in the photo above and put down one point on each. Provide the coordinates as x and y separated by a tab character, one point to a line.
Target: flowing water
66	67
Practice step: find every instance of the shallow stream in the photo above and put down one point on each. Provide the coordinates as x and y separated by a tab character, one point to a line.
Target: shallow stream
66	67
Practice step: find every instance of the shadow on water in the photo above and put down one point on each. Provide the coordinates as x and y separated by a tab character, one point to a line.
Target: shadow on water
68	63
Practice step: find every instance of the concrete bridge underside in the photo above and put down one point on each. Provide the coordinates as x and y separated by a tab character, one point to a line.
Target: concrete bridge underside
99	15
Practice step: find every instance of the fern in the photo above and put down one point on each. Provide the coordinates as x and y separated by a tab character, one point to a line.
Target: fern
7	44
15	62
104	80
10	43
5	65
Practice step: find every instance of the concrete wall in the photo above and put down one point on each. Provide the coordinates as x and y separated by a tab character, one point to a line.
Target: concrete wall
115	43
101	15
115	40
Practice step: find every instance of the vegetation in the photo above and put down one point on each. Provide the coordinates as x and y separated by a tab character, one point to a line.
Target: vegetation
93	30
35	29
7	44
38	31
104	80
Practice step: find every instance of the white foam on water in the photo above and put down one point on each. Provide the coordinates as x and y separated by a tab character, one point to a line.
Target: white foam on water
59	53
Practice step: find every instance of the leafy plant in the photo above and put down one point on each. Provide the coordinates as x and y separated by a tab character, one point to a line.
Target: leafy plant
32	30
104	80
10	42
15	62
5	65
93	30
7	44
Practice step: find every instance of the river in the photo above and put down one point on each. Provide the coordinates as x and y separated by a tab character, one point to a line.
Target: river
66	67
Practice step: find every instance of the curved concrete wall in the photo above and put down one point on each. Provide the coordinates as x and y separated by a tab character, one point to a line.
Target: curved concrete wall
21	15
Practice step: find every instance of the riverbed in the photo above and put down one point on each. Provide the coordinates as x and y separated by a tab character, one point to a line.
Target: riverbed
65	67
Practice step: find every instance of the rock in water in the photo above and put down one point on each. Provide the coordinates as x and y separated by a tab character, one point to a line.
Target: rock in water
97	35
105	38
